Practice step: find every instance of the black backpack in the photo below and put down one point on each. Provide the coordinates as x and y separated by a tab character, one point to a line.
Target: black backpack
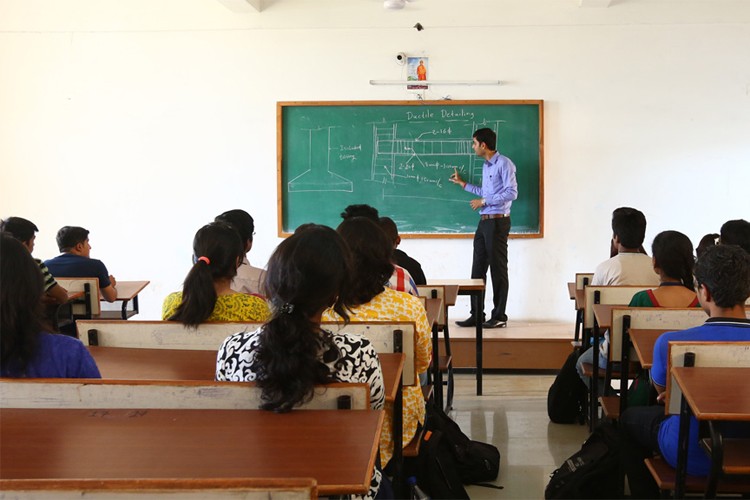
566	399
593	472
448	459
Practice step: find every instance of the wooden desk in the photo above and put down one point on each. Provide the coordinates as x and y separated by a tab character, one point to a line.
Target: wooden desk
125	363
643	342
391	364
475	289
603	314
433	306
126	291
336	447
572	290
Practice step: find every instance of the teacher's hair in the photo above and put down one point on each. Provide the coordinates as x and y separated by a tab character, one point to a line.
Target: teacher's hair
21	289
221	245
486	136
307	273
673	254
371	258
725	271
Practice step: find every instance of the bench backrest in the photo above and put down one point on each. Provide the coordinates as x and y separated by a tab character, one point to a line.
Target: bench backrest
141	394
617	295
434	292
708	354
165	489
651	318
583	280
89	305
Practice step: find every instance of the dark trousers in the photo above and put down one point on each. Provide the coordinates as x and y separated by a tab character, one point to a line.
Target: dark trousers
491	251
639	430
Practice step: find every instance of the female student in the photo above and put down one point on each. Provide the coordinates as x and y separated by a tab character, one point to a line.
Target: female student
673	261
287	356
206	293
25	349
371	299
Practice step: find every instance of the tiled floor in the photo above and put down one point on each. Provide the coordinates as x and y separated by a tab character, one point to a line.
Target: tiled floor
512	415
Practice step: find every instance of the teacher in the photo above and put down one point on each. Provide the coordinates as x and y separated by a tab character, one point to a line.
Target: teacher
497	192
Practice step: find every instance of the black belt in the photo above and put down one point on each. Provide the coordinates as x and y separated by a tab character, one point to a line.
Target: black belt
494	216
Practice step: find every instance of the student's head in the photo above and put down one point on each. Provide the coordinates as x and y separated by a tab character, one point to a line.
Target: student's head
371	258
390	229
307	273
486	136
242	222
736	232
360	211
74	239
672	253
629	227
21	229
707	241
217	251
724	271
21	289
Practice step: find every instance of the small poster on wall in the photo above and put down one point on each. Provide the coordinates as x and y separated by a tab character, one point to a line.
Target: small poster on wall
416	68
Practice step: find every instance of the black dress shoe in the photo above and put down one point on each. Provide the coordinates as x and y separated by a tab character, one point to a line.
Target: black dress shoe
467	322
495	323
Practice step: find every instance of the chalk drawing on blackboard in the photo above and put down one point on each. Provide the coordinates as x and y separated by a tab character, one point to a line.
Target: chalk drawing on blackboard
318	176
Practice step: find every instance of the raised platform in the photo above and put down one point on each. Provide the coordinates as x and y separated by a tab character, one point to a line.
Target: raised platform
519	346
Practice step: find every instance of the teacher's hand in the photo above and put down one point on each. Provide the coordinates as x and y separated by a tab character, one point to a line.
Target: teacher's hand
477	203
455	178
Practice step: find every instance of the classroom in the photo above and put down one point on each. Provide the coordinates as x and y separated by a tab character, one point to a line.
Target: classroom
142	120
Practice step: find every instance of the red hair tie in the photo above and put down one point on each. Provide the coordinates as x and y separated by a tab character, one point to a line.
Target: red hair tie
205	259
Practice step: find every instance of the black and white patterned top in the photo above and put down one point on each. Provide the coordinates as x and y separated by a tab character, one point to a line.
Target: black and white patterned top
355	360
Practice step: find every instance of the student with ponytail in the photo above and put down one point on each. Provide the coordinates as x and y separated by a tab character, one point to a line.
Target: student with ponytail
206	294
673	261
291	353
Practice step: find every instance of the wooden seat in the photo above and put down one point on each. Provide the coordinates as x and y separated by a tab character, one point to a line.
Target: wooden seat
665	475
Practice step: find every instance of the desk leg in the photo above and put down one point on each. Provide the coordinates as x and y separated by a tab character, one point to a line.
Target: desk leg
437	379
124	314
478	318
399	481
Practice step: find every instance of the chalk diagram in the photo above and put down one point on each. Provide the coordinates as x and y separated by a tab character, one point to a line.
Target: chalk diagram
420	155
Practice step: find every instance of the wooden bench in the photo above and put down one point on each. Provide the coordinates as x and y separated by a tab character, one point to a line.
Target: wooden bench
88	305
143	394
441	364
713	365
166	489
621	349
582	281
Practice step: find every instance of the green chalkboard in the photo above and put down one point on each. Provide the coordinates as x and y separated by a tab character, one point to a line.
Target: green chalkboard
397	157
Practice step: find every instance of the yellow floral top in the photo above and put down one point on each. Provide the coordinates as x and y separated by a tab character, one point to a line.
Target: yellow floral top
391	305
233	307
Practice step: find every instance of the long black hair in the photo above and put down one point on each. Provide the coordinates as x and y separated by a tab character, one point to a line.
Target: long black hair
307	273
217	250
371	258
673	254
21	289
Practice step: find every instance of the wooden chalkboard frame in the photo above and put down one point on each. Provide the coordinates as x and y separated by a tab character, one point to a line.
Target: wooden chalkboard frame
280	159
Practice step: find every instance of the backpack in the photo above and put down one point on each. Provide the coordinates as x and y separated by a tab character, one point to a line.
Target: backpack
448	459
592	472
566	399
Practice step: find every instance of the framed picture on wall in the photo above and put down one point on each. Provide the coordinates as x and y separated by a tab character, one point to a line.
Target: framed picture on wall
417	71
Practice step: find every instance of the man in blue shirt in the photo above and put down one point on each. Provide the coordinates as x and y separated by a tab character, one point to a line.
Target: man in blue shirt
75	261
722	283
496	194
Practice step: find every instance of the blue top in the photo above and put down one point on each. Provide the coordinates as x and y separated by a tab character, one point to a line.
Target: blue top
715	329
499	187
57	356
68	265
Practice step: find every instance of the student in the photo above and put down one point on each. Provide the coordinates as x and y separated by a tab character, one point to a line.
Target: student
249	279
736	232
399	256
628	267
27	351
722	281
673	261
369	299
308	272
75	261
707	241
23	230
401	280
206	293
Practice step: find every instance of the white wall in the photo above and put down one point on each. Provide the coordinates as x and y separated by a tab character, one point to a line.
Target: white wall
142	119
